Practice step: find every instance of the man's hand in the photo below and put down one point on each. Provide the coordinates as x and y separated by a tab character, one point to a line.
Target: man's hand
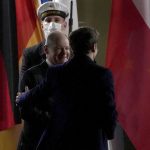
20	93
18	97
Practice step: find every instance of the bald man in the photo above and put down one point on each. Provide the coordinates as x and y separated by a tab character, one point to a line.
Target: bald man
35	117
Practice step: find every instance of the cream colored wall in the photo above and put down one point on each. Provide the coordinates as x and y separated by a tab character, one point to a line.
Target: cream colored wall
96	13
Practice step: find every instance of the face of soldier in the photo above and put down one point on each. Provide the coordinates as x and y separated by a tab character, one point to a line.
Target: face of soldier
59	51
53	23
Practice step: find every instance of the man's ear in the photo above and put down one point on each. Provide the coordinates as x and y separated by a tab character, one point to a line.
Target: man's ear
65	25
93	47
45	49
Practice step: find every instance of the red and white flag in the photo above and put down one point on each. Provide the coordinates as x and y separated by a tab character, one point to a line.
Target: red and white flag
128	56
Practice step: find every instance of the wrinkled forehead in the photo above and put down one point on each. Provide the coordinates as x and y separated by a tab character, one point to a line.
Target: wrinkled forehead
57	38
61	40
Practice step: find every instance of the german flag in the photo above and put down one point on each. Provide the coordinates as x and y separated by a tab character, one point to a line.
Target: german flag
28	27
8	65
19	28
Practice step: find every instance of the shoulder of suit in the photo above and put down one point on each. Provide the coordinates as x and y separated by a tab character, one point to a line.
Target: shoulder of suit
101	69
38	67
34	48
27	74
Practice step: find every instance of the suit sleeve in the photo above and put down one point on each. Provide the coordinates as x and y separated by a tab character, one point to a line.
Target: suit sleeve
26	64
27	80
109	116
34	110
37	96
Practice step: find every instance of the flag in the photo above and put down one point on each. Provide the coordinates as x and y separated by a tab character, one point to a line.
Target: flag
128	56
8	65
28	26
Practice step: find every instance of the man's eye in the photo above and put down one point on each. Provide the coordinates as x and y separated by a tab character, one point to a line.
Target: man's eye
58	49
67	48
48	20
56	20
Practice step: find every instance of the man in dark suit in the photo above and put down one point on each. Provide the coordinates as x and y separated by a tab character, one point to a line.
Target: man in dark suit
82	99
52	16
57	51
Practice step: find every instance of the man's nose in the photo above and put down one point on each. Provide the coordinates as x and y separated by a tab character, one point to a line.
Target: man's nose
63	51
53	20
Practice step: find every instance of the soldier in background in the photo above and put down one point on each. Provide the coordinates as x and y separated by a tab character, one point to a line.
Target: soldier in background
53	17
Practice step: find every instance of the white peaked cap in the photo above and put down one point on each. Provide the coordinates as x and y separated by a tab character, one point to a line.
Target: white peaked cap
55	7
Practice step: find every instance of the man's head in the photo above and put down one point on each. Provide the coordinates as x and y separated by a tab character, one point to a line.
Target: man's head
52	15
57	48
83	41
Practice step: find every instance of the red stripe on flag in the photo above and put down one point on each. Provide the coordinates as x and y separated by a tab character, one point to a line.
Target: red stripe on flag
128	56
26	22
6	114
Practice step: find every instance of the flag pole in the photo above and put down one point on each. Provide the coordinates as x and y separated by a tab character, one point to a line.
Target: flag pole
71	18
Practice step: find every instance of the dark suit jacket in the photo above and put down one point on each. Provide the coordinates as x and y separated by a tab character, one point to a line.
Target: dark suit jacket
31	56
35	119
83	107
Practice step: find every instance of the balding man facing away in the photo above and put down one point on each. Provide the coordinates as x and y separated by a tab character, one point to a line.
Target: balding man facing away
82	93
